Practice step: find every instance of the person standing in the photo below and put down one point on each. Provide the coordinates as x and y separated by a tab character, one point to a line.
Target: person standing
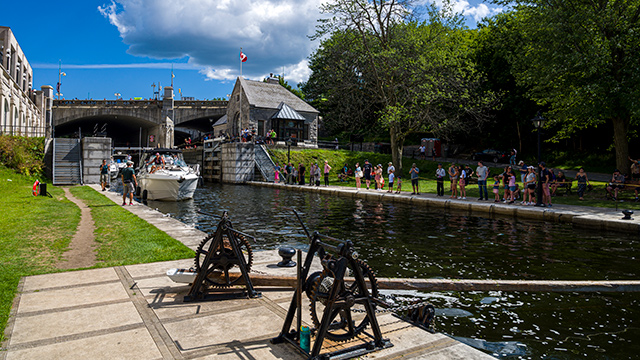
104	174
635	169
483	173
512	158
378	176
462	182
440	174
358	176
453	175
512	186
129	183
423	150
581	176
327	168
529	186
391	172
276	175
415	173
545	180
433	153
368	168
301	170
524	171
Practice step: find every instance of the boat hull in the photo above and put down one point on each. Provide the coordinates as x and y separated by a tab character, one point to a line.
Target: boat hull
168	188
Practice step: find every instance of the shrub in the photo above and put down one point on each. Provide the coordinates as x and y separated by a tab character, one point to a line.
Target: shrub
23	154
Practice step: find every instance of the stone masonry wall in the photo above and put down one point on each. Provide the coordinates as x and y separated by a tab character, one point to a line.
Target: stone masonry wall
94	150
238	162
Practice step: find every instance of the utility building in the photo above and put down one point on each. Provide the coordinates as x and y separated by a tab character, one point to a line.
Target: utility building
262	106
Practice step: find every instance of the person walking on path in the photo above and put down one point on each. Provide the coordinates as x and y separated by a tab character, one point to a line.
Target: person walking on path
358	176
583	181
129	183
440	174
483	173
104	174
367	173
415	173
327	168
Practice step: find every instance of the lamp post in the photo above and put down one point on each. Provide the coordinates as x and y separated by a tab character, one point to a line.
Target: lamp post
60	75
118	95
538	123
288	150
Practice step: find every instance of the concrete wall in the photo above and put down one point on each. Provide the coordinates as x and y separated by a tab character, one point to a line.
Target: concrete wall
193	156
238	162
94	150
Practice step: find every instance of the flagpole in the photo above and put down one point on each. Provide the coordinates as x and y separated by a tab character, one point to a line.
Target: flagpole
172	76
240	62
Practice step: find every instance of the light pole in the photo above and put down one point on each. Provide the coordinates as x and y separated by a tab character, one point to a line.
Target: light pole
118	95
538	123
60	75
288	150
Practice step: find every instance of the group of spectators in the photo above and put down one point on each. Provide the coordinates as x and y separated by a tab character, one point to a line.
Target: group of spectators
619	181
505	187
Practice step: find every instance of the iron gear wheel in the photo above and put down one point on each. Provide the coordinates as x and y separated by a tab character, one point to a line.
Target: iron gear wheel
343	324
223	259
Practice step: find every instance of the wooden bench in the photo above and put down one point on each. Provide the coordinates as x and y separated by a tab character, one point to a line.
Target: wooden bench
628	186
563	187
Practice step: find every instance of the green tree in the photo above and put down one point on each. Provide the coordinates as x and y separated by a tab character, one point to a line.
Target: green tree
416	76
286	85
582	60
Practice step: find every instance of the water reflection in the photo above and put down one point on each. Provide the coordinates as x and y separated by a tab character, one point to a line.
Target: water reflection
406	241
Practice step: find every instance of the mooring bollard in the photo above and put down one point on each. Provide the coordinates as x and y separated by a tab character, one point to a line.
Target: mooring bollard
286	253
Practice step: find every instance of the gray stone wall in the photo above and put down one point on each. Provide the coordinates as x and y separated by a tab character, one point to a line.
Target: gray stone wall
238	162
233	108
94	150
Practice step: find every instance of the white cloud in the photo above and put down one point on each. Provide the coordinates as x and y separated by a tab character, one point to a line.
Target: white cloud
273	33
477	12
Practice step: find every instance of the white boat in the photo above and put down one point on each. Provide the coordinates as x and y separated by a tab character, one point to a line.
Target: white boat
118	162
163	175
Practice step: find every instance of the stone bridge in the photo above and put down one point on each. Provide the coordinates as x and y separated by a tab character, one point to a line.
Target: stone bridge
134	122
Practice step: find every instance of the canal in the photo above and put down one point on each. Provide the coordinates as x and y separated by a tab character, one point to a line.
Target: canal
398	240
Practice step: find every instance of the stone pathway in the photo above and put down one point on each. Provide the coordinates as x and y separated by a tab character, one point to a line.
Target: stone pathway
81	253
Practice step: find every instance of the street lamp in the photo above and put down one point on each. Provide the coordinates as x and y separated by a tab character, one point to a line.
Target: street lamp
117	95
288	142
60	75
538	123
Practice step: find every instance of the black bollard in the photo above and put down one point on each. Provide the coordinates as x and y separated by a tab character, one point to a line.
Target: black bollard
286	253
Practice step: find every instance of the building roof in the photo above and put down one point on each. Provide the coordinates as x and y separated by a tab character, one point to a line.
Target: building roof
270	96
286	112
221	121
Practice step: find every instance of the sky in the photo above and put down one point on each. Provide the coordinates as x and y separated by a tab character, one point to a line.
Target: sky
125	46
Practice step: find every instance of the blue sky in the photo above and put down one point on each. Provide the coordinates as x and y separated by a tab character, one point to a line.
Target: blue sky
125	46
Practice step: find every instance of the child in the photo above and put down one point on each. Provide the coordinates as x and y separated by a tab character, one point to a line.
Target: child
399	181
462	183
391	178
496	188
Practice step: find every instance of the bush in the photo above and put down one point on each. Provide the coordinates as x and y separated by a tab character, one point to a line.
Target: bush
23	154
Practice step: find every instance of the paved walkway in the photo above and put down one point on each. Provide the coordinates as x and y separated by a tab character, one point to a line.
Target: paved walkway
606	219
136	312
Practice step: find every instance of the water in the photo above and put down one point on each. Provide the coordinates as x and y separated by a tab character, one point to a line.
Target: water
399	240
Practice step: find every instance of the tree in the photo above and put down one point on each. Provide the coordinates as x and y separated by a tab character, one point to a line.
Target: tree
416	75
286	85
582	60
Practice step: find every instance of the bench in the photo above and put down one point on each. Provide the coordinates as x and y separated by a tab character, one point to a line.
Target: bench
563	187
628	186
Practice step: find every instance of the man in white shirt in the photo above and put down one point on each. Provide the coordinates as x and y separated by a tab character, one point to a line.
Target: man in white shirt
482	172
440	174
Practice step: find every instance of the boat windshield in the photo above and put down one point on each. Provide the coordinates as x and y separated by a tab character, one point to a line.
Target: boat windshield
166	160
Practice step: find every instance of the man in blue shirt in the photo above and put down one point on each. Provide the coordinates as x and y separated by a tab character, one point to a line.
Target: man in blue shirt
414	179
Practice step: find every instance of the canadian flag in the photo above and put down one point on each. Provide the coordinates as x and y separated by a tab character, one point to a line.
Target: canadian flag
243	57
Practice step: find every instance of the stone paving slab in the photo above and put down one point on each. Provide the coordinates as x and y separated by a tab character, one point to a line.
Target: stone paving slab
142	315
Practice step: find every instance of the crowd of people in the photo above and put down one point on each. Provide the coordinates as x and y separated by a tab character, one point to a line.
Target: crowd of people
506	187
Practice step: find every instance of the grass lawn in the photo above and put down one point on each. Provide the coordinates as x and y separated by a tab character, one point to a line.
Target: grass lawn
427	183
37	230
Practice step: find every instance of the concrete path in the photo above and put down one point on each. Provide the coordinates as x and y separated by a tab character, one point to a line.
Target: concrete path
606	219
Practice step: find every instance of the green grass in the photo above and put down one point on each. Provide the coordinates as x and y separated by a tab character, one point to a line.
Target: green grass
37	230
427	183
125	238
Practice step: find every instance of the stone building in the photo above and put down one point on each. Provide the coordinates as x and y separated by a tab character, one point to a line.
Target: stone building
23	110
263	106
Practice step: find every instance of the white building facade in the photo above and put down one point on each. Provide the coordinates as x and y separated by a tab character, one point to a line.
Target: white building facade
23	110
